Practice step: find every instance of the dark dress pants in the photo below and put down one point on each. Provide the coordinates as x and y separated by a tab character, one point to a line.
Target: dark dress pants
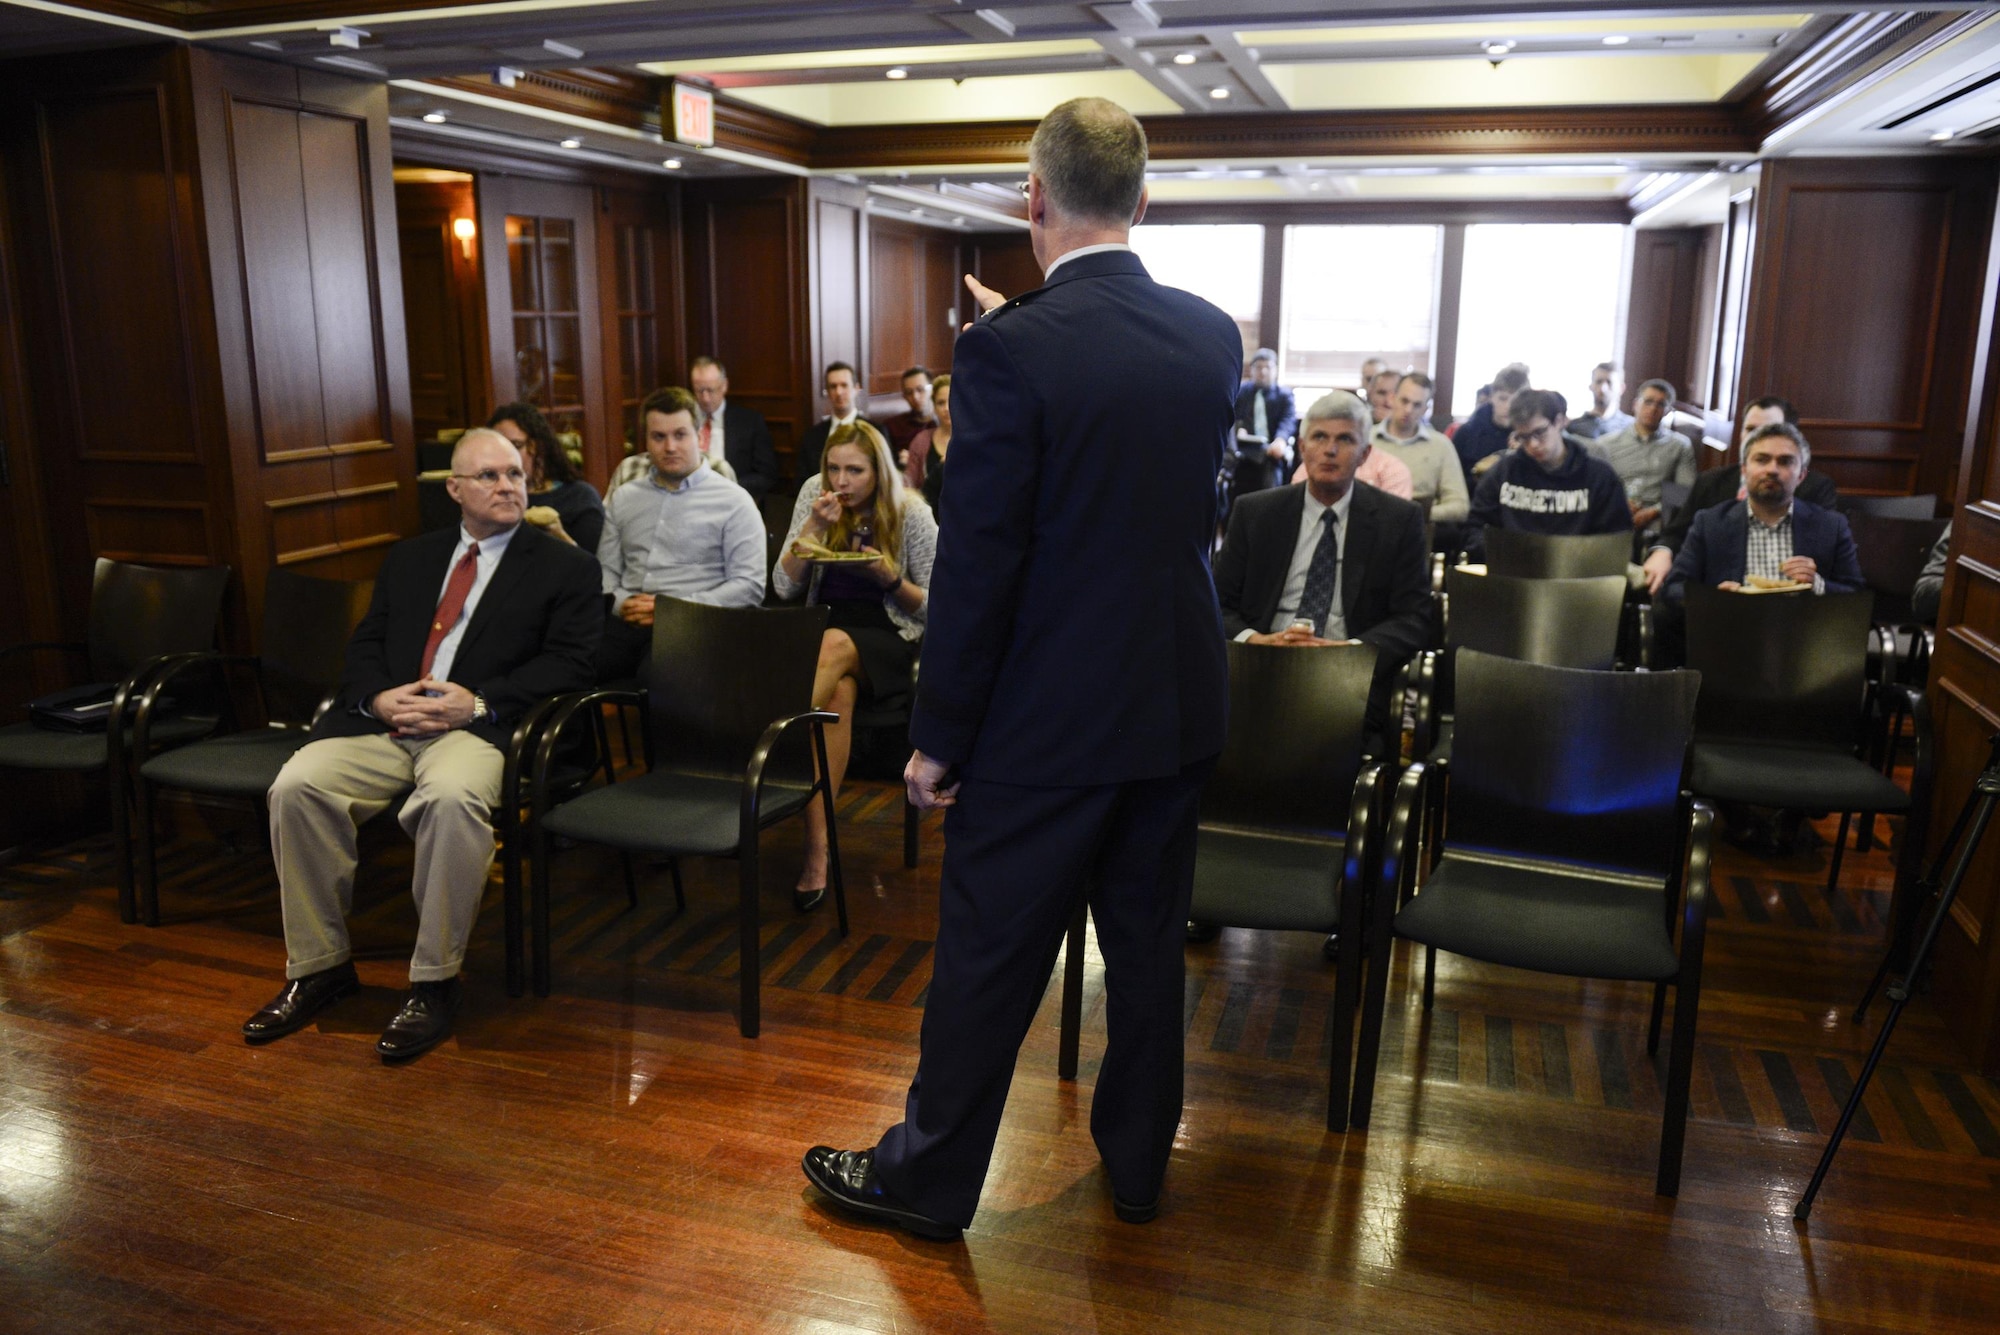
1017	860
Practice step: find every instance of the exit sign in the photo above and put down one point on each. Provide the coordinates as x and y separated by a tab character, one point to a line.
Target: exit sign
691	115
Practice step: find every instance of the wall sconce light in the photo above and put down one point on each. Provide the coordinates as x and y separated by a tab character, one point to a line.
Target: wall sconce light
465	230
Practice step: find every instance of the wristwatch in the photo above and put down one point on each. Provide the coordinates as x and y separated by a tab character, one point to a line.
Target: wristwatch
480	712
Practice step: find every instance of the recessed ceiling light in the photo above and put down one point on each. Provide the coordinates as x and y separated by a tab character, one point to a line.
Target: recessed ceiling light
1499	48
1218	93
572	143
434	118
1616	39
1313	185
1942	135
1184	58
898	73
672	164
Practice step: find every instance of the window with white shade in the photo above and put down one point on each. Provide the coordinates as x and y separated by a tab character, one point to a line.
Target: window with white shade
1220	262
1546	294
1352	292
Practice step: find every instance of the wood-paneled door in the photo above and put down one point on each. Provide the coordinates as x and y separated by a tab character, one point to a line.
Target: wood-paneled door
539	246
914	301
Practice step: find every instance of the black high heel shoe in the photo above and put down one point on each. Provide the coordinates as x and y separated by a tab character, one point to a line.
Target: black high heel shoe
805	901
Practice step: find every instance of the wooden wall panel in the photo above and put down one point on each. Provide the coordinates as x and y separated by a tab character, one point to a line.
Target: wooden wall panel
749	291
118	405
1862	310
914	302
276	256
109	183
1965	696
895	274
1005	262
347	318
1664	310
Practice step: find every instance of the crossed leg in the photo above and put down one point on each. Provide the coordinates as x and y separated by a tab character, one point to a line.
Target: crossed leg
836	687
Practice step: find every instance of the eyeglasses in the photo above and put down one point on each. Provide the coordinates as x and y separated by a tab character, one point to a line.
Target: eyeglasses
489	477
1539	436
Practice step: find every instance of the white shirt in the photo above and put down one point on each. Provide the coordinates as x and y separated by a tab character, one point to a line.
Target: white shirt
1079	253
714	424
490	551
1302	555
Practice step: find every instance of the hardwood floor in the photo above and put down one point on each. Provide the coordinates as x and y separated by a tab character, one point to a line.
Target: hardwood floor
616	1158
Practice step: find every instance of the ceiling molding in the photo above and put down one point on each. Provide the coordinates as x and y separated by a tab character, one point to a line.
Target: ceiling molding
1845	59
1698	128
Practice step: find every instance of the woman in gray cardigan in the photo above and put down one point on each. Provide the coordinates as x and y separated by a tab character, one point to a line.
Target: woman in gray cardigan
857	503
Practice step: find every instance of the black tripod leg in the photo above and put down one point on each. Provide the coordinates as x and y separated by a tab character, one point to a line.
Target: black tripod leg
1979	804
1920	895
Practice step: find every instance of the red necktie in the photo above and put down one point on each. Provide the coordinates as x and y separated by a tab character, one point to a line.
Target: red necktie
456	591
706	423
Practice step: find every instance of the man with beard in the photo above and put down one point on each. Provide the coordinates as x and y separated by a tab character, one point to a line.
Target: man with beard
1770	534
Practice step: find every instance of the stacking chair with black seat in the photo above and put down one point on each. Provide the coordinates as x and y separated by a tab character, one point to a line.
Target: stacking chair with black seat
1287	832
1556	555
306	626
1569	844
1561	622
736	746
1783	709
139	617
1893	552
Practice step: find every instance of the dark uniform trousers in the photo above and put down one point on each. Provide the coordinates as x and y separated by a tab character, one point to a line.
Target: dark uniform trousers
1017	861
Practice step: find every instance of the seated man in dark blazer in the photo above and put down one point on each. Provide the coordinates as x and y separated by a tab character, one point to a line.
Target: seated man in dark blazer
1265	575
1771	534
1716	485
739	434
841	387
470	626
1266	420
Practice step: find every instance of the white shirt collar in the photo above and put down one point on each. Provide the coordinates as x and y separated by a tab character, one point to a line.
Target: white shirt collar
848	420
1339	507
492	546
691	480
1079	253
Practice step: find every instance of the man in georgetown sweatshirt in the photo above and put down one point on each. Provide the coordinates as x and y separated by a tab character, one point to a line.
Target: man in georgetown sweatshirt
1544	484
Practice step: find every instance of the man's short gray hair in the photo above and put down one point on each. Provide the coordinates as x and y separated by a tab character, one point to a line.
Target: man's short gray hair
1789	432
1342	406
1091	155
479	435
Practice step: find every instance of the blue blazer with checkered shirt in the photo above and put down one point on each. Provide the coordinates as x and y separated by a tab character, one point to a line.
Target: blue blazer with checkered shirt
1718	548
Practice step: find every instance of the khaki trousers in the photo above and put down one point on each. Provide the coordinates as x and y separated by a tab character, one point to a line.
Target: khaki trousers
324	793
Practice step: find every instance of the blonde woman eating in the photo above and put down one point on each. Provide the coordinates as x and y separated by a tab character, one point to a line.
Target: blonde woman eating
857	503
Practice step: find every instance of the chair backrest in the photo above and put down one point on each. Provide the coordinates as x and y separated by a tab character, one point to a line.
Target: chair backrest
1892	507
1557	764
1295	737
137	612
307	623
1559	622
1556	555
1673	495
1893	552
721	675
1785	669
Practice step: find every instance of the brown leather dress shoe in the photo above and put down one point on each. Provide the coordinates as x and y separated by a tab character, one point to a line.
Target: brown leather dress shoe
293	1009
422	1023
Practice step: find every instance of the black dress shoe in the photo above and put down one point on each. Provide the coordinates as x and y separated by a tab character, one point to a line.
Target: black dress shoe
1332	947
1199	932
805	901
423	1023
293	1009
1135	1214
848	1179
